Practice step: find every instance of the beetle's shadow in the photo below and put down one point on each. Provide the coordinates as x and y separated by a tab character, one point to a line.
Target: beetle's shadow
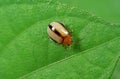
76	44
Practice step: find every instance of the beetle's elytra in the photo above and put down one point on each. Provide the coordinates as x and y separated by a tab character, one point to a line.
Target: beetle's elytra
59	33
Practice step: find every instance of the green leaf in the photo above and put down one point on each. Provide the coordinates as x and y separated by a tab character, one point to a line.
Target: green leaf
95	63
108	9
25	47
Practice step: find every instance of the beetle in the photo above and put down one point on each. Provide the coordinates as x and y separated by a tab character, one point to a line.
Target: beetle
58	33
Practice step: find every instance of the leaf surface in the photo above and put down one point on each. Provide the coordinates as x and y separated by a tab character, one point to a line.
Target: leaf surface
25	47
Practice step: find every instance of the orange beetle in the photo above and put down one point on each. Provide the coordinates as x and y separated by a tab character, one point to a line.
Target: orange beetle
59	33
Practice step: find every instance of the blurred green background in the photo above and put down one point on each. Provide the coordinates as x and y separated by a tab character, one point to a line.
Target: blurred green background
109	10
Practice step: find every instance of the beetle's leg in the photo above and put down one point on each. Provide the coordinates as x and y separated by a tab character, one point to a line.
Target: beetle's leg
67	54
62	23
49	38
70	31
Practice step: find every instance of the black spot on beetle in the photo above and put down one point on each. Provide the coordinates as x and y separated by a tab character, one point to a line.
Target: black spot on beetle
50	27
55	31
